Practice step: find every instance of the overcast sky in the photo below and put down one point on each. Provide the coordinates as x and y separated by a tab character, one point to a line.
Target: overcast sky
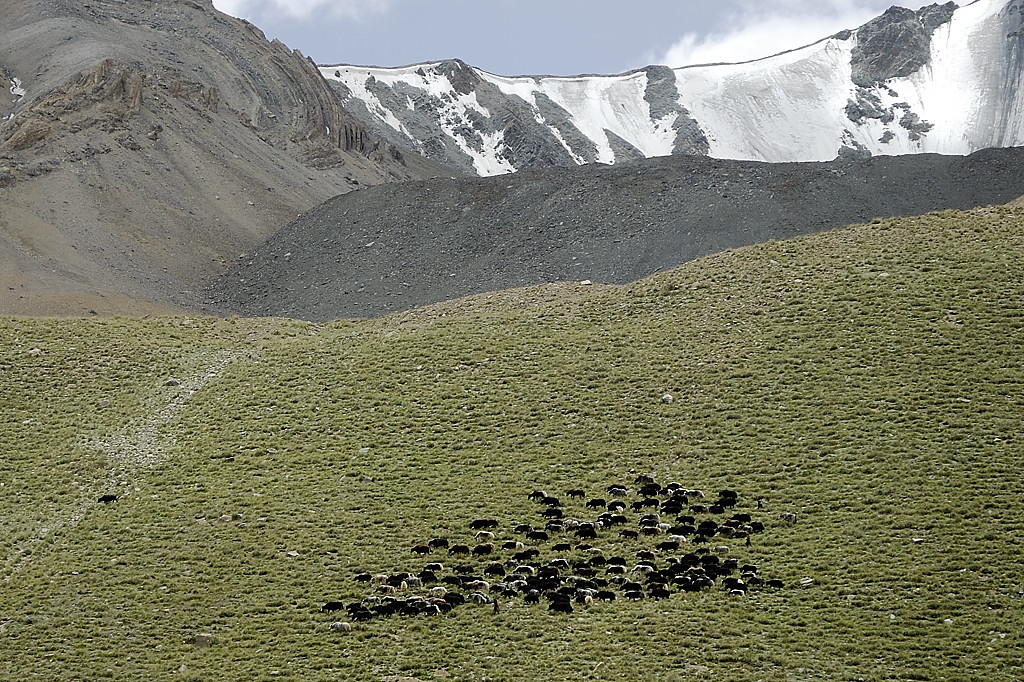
551	37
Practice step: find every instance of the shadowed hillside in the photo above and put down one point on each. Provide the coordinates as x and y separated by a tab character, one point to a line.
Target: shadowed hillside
393	247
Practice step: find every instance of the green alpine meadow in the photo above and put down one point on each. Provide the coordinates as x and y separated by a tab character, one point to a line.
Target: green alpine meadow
861	390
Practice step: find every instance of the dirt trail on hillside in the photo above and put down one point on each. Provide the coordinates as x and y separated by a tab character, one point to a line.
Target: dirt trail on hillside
137	446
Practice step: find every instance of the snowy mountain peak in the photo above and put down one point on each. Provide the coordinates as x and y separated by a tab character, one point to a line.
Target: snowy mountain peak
940	79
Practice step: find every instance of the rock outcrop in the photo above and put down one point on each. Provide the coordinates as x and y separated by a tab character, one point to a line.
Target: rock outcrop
144	144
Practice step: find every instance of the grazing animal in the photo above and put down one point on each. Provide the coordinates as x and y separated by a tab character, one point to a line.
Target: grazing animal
341	626
458	549
483	524
522	528
421	549
649	520
660	592
106	499
649	489
596	502
363	578
484	535
788	517
362	614
560	606
438	543
512	545
605	595
332	606
644	479
537	535
629	534
551	501
483	548
616	505
576	492
617	490
455	599
552	513
537	495
586	532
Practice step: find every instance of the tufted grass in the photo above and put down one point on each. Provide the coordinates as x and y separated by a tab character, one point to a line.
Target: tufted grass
868	379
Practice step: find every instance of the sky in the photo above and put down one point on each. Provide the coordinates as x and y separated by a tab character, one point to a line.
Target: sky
551	37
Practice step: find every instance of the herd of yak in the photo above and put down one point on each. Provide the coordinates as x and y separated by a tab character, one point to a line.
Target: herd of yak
675	538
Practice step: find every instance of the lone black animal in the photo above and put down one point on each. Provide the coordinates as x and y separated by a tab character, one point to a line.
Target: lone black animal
482	524
106	499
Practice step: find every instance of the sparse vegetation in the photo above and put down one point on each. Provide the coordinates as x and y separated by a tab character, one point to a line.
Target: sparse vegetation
868	379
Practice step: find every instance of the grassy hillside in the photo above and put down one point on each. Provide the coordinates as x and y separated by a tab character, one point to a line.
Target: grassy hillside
869	380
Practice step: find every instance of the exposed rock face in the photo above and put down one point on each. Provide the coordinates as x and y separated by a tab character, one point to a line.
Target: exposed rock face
896	44
142	144
662	94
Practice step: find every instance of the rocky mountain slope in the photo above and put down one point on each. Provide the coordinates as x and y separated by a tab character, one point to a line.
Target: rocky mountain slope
393	247
144	145
943	79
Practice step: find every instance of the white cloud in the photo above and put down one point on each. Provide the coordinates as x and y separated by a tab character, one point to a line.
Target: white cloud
301	9
760	28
